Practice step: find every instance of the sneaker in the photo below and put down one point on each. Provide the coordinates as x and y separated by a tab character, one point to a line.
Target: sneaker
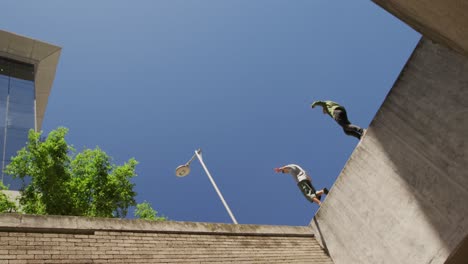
364	131
325	191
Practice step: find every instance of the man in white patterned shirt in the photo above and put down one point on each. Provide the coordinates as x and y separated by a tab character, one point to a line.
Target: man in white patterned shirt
303	182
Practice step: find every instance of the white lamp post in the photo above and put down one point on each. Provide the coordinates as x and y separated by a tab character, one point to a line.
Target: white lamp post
184	170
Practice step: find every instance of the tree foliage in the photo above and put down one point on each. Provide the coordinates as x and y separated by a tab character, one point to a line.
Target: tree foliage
146	212
6	206
59	181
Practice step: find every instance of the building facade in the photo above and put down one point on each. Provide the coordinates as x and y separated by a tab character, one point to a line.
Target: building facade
27	70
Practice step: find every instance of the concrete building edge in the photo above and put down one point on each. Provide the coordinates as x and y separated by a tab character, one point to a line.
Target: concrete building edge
45	68
314	222
458	252
53	60
429	33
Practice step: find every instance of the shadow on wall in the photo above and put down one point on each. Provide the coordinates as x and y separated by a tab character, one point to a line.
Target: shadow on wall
319	236
423	129
402	196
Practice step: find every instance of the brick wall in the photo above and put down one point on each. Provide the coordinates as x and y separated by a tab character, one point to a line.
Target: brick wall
38	239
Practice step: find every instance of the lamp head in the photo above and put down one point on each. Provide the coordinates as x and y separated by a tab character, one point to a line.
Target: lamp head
182	170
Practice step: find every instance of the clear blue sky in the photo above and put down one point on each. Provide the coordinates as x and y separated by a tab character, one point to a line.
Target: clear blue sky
156	80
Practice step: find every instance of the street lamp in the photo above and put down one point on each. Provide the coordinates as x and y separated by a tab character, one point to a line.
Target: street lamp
184	170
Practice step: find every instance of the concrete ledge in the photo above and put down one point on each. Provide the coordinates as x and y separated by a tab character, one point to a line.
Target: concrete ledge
443	21
86	225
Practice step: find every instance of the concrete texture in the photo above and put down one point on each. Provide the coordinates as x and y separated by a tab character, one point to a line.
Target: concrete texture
402	196
64	239
443	21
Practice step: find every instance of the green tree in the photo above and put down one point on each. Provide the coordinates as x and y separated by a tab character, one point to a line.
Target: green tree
6	206
63	182
146	212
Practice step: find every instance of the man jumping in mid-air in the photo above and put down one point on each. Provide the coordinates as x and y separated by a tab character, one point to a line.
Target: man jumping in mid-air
338	113
303	182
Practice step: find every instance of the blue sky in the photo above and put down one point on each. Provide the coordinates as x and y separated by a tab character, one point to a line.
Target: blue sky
156	80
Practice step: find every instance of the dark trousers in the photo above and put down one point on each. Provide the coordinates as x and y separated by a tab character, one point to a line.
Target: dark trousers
341	118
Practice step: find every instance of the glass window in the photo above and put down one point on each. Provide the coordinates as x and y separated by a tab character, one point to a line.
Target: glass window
16	110
4	80
21	104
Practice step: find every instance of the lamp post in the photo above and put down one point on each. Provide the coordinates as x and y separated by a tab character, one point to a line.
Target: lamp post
184	170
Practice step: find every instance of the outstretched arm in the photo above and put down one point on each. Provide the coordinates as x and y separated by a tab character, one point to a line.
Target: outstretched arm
321	103
284	169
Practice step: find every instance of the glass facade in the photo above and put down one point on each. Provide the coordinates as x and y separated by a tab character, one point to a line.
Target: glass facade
17	113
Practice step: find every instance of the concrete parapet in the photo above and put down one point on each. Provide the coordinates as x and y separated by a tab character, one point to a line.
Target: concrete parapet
402	196
75	224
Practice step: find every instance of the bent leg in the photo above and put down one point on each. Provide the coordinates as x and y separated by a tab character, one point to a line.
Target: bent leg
308	191
355	128
341	117
317	201
349	129
352	132
318	195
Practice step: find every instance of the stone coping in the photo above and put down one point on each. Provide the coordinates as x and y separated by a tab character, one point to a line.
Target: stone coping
88	225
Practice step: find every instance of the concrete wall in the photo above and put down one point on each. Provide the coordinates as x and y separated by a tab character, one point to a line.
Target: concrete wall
443	21
402	197
53	239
